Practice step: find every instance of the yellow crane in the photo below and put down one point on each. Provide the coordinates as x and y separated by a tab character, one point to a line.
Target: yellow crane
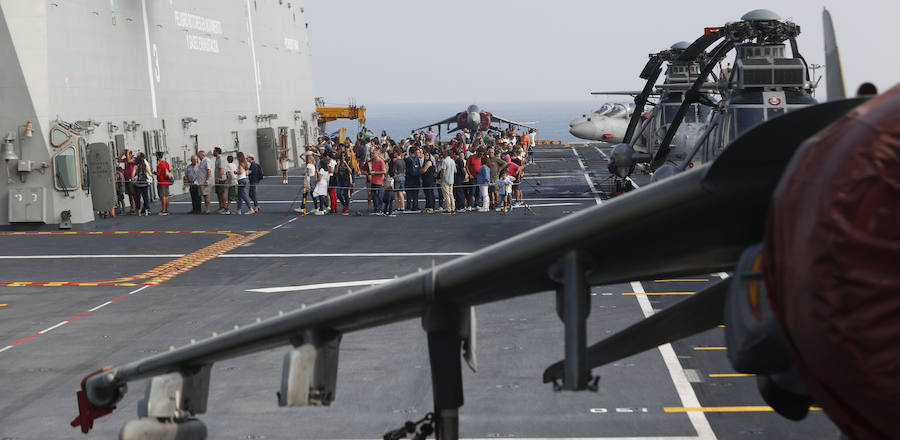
328	114
333	113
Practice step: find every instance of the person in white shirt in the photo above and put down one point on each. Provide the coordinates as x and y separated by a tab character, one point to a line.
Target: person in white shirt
232	178
321	190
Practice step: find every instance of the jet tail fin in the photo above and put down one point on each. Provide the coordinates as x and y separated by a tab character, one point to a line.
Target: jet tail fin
834	76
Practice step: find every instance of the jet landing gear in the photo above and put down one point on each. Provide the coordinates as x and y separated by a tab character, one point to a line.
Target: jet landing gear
425	428
623	186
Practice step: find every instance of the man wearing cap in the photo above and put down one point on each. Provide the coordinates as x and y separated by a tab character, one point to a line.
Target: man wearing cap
254	177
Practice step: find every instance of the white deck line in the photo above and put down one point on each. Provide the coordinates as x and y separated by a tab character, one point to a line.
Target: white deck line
371	254
679	379
587	178
59	324
569	438
601	153
125	256
539	199
320	286
59	257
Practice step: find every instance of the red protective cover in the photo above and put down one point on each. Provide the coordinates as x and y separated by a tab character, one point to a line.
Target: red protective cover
832	265
462	120
485	120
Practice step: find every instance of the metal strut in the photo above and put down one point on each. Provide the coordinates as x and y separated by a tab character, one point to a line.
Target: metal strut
573	305
442	323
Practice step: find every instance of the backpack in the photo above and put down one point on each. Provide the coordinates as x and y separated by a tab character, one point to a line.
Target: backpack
140	178
259	171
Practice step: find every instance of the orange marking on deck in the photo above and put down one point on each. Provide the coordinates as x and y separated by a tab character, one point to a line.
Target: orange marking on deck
161	273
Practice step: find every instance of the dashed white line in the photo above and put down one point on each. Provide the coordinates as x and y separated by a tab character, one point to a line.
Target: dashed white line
601	153
587	178
59	324
679	379
100	306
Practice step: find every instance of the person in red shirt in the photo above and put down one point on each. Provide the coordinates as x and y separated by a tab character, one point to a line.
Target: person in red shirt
473	164
164	180
377	170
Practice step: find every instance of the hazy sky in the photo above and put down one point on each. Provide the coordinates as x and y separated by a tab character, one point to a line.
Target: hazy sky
409	51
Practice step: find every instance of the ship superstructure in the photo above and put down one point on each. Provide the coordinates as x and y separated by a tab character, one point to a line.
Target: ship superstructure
147	75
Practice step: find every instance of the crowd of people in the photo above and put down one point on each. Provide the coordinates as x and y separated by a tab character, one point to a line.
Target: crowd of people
234	179
472	172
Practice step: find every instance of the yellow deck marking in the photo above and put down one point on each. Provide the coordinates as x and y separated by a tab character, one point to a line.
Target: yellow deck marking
731	375
660	293
710	348
682	279
3	304
725	409
232	240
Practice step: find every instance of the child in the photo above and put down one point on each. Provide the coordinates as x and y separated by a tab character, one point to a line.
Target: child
505	183
483	179
283	164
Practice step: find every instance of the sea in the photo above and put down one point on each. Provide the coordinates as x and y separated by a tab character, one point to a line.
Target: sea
551	119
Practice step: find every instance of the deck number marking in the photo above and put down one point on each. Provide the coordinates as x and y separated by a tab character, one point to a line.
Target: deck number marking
625	410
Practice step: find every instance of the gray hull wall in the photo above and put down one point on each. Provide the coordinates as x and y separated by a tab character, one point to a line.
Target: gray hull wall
233	65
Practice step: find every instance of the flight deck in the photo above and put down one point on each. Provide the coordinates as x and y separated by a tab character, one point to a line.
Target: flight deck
116	290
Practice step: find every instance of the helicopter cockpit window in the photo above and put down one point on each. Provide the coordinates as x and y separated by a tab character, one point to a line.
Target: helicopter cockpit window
696	113
603	109
58	137
773	112
669	112
65	169
747	118
617	112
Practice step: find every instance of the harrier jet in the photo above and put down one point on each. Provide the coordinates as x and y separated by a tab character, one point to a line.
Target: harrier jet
474	119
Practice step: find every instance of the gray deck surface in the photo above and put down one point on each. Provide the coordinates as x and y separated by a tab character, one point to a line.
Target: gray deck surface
384	373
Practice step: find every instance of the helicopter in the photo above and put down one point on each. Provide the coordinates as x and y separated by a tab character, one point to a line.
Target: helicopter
763	84
645	130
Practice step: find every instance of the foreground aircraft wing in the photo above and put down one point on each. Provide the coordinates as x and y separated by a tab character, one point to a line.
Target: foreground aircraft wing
720	209
834	76
434	124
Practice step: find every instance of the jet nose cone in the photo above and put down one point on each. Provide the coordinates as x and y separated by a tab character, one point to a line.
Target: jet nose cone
577	121
583	130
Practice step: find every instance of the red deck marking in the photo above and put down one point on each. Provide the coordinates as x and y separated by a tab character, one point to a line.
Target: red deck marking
23	340
78	316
